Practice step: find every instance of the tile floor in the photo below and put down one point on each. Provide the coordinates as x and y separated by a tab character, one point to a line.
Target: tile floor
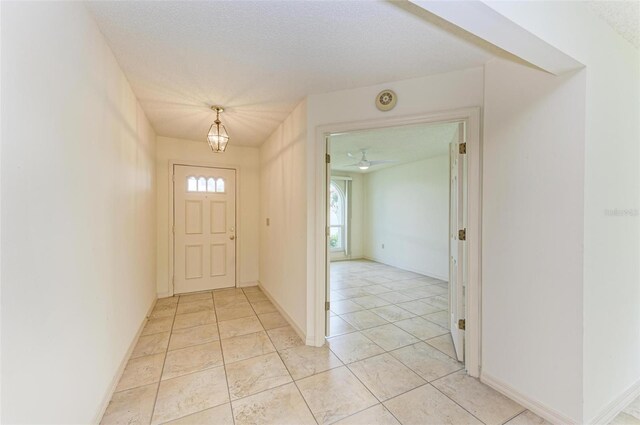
228	357
629	416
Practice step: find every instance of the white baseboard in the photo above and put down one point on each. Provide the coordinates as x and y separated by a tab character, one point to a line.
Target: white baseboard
164	295
283	313
248	284
356	258
123	364
611	410
409	269
536	407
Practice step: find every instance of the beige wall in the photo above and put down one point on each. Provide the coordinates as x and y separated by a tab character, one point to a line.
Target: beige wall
283	201
406	208
78	215
611	157
532	233
199	153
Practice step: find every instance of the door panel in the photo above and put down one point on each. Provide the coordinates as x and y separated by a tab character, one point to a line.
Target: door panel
204	226
218	216
218	260
193	217
193	261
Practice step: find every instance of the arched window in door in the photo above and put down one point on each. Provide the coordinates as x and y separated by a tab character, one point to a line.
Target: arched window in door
337	218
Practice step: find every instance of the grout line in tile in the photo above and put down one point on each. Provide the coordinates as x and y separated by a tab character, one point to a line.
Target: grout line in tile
436	348
515	416
155	400
302	396
224	366
462	407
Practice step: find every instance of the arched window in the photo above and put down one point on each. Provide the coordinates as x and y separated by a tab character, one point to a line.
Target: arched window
337	217
220	185
192	184
211	184
202	184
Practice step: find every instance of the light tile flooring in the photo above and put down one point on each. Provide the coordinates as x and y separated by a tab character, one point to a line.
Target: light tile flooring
629	416
228	357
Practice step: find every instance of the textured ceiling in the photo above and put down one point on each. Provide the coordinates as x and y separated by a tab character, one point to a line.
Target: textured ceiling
259	59
623	16
401	144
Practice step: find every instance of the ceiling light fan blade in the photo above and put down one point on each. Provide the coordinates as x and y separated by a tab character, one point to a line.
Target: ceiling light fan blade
350	155
353	165
382	161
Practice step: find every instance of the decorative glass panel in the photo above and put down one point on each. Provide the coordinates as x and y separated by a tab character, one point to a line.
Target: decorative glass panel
192	184
336	206
220	185
337	210
202	184
335	238
211	184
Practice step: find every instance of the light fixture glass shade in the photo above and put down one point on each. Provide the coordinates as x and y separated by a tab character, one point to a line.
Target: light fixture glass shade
217	137
364	165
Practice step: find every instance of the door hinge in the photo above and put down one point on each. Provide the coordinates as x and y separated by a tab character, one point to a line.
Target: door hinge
462	323
327	305
328	158
462	148
462	235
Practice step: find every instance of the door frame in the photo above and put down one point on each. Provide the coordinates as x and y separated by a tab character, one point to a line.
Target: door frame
318	283
208	164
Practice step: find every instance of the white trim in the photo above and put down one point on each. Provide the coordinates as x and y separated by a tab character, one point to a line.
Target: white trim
210	164
284	313
535	406
611	410
123	364
317	284
334	177
409	269
337	260
248	284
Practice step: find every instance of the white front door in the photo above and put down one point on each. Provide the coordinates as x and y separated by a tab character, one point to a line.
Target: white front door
457	246
204	214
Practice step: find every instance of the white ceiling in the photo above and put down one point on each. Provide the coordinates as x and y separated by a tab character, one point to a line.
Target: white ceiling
401	144
622	16
259	59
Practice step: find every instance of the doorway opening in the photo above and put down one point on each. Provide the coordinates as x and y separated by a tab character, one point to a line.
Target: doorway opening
396	254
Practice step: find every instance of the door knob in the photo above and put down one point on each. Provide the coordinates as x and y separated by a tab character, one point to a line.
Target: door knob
232	237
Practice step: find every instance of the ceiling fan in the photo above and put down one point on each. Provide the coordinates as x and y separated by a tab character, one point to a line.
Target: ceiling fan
364	163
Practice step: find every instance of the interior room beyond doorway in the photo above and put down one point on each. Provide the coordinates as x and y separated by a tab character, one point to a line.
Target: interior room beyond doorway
389	239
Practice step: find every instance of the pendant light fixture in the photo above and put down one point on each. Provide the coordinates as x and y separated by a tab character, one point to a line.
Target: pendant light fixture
217	136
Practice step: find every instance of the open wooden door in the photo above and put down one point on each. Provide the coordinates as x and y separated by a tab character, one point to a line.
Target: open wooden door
457	241
327	251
